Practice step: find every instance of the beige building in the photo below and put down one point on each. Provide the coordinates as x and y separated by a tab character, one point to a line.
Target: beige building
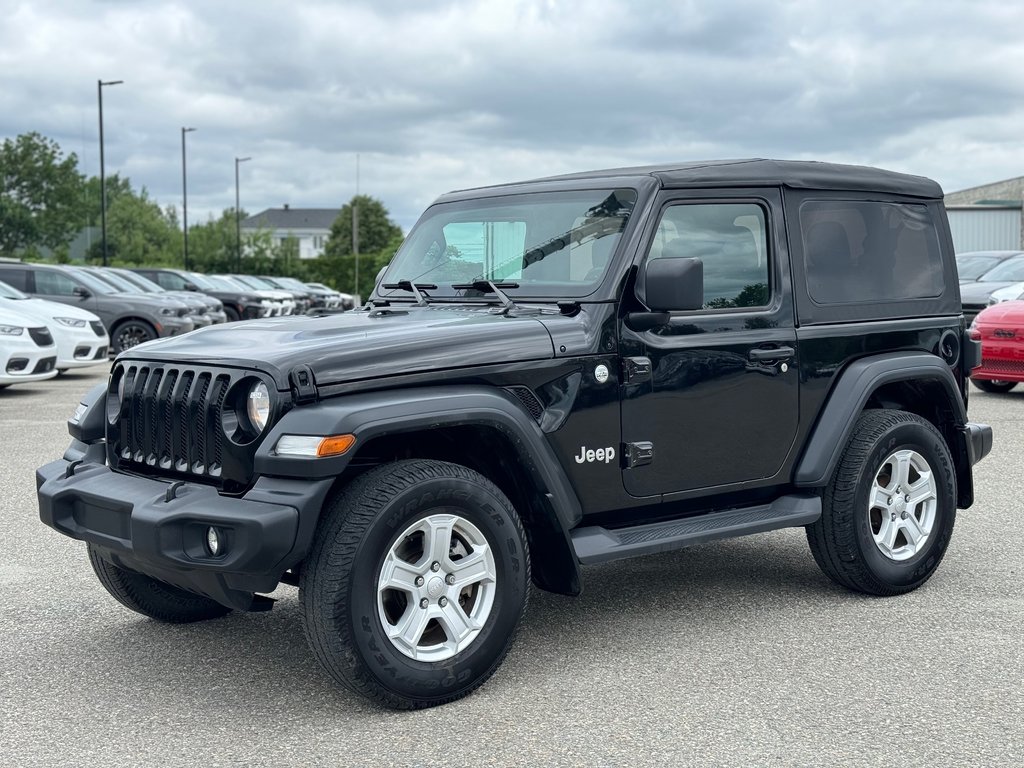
988	217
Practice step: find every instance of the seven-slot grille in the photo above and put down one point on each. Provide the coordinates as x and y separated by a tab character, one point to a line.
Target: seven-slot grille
170	419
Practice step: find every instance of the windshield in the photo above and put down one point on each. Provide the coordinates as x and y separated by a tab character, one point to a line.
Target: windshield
1011	271
226	283
291	282
9	292
125	286
542	244
254	282
91	282
139	282
973	267
202	281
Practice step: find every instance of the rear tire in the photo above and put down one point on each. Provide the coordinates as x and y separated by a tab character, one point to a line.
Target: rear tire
151	597
888	512
417	580
996	387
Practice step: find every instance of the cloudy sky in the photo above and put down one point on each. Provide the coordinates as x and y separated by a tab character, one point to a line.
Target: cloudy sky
437	95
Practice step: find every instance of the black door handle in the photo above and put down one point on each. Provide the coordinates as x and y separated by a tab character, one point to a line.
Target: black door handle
764	354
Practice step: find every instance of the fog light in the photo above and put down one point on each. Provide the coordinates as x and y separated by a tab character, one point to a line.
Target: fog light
213	541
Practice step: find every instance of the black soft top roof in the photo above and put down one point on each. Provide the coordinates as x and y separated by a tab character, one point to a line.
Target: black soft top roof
798	174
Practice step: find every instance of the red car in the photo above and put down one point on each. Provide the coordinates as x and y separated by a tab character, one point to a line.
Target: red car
1001	331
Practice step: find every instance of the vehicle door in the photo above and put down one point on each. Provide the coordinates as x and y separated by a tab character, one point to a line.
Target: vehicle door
52	285
710	396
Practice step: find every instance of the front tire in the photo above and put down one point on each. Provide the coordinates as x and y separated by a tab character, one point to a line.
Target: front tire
417	580
889	509
151	597
131	333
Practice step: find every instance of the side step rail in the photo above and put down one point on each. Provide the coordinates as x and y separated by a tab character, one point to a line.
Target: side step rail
595	544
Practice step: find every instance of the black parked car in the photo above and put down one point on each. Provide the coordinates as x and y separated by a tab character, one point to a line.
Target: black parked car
210	309
978	294
196	309
238	304
129	318
972	265
566	371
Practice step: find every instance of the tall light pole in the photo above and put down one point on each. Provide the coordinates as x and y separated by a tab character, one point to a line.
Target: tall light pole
238	212
184	192
355	229
103	177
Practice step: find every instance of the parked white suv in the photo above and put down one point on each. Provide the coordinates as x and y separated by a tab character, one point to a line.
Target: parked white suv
80	336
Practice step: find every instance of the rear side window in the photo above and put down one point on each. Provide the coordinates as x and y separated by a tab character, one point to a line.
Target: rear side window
858	251
16	278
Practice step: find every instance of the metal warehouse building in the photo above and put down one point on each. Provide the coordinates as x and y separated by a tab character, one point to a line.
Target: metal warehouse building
988	218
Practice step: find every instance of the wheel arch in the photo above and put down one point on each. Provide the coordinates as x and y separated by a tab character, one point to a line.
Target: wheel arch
479	427
916	382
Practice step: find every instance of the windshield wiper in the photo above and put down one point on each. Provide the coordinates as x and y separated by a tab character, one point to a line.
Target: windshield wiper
414	288
489	286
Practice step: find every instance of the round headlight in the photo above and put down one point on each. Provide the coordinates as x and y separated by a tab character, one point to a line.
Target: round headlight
258	405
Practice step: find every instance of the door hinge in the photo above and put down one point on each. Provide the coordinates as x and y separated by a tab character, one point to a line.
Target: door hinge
635	369
637	454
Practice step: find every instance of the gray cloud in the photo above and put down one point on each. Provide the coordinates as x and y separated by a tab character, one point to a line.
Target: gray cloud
442	95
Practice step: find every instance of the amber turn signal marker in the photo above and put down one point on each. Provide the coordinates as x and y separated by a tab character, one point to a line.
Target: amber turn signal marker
335	445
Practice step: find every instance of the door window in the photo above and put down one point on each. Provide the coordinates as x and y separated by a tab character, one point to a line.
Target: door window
54	284
731	241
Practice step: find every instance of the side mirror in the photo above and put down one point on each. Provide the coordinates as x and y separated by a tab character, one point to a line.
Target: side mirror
190	287
674	284
81	292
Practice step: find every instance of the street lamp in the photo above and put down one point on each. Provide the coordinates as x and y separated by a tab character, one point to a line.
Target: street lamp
238	213
184	192
103	178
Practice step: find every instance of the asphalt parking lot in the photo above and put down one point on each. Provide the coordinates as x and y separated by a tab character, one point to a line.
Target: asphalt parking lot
736	653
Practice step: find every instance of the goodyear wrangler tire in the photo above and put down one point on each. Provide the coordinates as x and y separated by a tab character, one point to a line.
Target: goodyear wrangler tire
151	597
888	511
416	583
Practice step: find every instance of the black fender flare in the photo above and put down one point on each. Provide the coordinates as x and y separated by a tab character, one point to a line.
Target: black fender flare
389	412
855	385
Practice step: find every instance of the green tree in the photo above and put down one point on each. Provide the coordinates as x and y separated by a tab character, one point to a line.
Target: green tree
92	205
40	194
376	229
212	245
139	232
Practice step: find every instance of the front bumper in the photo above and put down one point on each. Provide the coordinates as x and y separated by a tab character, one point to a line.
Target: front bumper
79	348
22	360
159	528
174	326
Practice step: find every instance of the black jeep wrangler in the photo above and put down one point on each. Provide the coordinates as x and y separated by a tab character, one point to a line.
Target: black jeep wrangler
553	373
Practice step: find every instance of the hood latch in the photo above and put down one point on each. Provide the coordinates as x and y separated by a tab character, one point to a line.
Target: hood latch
303	384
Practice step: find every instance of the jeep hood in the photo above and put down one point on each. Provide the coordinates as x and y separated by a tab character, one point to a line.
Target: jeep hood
359	345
